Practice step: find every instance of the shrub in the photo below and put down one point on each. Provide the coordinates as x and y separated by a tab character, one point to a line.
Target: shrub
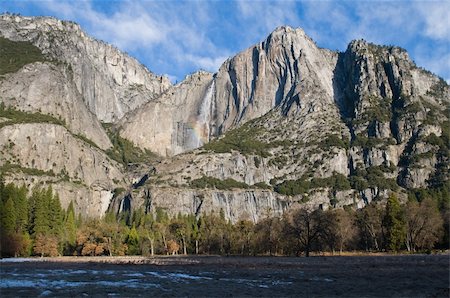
211	182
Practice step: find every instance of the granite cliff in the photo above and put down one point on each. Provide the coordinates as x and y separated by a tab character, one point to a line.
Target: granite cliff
281	125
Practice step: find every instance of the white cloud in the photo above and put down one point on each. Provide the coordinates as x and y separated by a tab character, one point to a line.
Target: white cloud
211	64
175	32
258	18
436	16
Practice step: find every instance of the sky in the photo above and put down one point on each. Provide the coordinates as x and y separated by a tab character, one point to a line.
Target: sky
176	38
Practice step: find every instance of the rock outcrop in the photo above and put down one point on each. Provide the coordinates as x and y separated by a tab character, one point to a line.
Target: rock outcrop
48	88
177	121
111	83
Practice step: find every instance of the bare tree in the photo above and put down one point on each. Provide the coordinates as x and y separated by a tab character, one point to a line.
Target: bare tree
344	228
309	228
423	225
369	221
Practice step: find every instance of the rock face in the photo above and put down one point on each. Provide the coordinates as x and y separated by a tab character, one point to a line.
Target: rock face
111	83
177	121
281	125
353	126
51	154
246	87
48	88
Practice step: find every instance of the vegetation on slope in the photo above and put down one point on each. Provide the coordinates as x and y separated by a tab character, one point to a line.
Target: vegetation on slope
240	139
14	116
15	54
211	182
336	182
126	152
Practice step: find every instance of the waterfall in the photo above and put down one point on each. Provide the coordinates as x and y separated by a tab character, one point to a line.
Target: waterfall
204	116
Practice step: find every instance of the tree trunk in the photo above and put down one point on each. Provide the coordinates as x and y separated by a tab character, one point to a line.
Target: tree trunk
196	247
184	246
152	247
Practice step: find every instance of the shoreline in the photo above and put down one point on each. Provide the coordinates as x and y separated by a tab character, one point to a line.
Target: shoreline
167	260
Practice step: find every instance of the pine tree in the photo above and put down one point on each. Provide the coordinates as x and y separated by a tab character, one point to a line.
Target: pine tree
40	212
70	228
55	217
21	206
8	219
394	223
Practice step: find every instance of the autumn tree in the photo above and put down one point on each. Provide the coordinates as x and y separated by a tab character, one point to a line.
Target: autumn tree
179	228
172	247
45	245
244	231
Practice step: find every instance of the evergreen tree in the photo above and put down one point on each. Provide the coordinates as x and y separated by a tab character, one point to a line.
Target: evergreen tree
40	212
394	224
55	213
70	229
8	219
21	206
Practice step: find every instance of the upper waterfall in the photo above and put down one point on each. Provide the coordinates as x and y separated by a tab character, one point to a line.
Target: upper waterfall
202	127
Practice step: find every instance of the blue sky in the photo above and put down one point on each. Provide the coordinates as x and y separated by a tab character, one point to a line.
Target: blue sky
176	38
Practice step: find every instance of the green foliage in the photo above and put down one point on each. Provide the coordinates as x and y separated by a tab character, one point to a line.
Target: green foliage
370	142
133	242
394	223
333	141
15	116
336	182
86	140
70	228
373	177
8	216
262	185
45	213
358	183
8	167
257	161
380	111
241	139
126	152
15	54
211	182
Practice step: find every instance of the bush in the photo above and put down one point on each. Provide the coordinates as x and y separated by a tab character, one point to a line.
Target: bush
333	141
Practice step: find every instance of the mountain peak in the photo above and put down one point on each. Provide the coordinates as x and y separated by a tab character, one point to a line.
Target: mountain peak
287	35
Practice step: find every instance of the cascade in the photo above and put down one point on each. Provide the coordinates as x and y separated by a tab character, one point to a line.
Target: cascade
204	116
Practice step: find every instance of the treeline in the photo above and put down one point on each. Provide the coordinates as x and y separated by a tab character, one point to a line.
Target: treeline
34	224
37	225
